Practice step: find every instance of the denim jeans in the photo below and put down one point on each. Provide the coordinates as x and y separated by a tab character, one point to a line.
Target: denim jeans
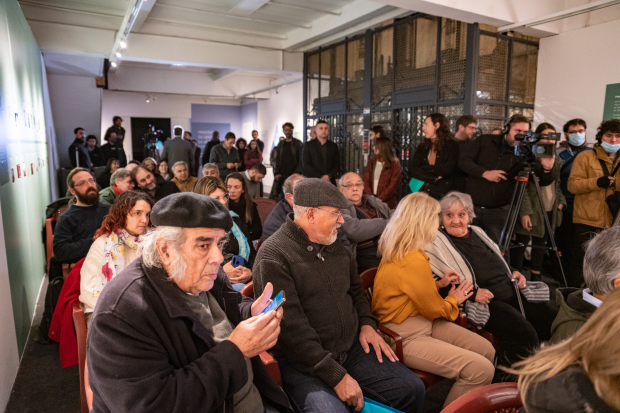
390	383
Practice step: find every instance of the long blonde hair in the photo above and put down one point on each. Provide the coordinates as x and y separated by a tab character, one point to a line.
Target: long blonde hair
593	347
413	225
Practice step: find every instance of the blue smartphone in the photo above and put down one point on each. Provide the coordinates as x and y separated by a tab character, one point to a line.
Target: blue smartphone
237	261
275	303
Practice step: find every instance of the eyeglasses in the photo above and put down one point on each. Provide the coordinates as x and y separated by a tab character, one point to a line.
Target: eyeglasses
224	198
82	183
357	185
338	214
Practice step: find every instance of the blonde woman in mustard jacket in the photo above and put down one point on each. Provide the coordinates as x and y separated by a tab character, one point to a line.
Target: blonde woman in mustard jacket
406	300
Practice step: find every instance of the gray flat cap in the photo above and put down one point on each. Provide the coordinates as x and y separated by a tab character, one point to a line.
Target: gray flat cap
190	210
313	192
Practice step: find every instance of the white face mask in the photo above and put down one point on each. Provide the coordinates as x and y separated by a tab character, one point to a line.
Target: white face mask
577	139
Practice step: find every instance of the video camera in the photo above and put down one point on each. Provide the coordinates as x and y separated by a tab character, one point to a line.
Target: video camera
529	144
152	135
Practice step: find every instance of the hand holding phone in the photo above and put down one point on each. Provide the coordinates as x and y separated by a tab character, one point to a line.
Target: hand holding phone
275	304
237	261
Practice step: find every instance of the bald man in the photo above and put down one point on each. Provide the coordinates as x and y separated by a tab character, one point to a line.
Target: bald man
364	222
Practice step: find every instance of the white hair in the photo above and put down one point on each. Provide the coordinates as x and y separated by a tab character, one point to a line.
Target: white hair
179	163
299	211
175	238
455	196
601	264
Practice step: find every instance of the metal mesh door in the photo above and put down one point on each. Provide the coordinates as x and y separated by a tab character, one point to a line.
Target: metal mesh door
355	74
312	84
382	67
453	54
337	134
415	49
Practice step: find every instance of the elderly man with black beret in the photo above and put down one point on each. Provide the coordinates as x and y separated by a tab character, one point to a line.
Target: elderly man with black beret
329	352
169	334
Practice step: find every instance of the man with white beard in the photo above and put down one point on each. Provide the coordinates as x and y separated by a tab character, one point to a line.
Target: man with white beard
324	349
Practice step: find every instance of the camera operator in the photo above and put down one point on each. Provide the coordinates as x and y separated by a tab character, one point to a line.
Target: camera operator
592	183
492	166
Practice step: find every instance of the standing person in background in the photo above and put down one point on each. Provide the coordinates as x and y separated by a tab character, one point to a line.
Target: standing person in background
289	153
215	140
241	203
196	159
575	143
321	158
225	155
592	180
164	171
382	175
78	151
261	144
376	131
178	150
436	158
114	149
103	180
465	130
242	147
115	128
253	155
97	158
532	223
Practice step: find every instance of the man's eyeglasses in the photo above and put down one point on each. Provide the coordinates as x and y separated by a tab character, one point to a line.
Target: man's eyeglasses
338	214
82	183
357	185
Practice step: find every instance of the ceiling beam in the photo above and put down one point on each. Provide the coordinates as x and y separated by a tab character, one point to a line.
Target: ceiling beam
145	9
297	7
247	7
121	35
222	74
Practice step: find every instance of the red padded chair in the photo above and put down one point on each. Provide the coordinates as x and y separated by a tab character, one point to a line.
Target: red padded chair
264	206
493	398
49	239
269	362
79	323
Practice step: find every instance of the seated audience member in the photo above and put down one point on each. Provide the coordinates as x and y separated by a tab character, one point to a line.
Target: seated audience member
182	178
253	178
239	242
364	221
120	182
253	156
532	224
210	169
468	250
242	147
133	164
146	181
241	204
406	299
324	349
115	246
73	234
579	374
151	165
279	213
171	334
436	159
225	155
601	271
382	174
591	183
163	170
103	180
97	158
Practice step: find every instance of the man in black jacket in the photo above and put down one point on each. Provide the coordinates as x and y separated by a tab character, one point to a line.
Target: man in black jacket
145	181
114	149
171	335
321	158
324	349
97	158
288	158
492	167
78	151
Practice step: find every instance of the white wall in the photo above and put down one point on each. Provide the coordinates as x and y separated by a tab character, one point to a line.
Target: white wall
574	69
75	102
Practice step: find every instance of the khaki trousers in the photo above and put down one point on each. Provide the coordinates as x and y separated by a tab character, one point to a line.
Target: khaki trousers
448	350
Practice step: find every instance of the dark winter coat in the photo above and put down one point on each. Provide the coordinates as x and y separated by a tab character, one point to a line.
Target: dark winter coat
445	167
389	181
313	164
572	314
255	227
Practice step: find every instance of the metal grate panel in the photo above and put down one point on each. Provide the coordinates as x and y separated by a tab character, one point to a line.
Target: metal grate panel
492	68
483	109
355	74
416	53
353	156
487	125
312	85
382	67
332	73
453	54
337	133
452	112
528	113
523	73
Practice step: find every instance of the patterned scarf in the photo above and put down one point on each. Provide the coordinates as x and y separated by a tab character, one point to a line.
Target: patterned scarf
244	247
113	260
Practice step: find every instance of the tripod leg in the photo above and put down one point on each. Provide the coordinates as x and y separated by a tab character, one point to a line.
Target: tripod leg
513	214
550	231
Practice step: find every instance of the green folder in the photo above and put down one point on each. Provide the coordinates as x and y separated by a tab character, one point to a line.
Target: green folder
415	185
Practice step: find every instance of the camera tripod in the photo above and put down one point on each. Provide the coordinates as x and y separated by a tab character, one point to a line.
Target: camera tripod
523	178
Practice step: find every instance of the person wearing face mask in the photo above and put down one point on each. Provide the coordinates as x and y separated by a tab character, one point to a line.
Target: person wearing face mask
592	179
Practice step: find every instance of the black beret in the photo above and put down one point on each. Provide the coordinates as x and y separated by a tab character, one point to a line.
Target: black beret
190	210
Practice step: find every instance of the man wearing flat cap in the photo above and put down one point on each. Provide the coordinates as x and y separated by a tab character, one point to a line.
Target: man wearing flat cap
329	352
169	334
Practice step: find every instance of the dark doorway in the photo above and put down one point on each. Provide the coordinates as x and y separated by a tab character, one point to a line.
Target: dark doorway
148	131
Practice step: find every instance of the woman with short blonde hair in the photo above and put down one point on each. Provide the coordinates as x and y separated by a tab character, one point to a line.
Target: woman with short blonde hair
406	299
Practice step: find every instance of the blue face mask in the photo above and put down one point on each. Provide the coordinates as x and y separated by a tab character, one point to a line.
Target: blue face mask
609	148
576	139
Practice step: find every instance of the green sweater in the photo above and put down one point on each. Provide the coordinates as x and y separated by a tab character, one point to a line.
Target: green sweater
573	313
107	195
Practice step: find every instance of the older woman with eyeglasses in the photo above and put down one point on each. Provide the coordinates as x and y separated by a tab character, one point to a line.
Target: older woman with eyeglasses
239	241
115	246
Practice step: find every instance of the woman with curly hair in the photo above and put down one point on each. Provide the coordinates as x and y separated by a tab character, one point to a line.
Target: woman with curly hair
436	158
116	245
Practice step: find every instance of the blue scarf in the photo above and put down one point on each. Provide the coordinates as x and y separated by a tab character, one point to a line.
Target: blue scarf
244	247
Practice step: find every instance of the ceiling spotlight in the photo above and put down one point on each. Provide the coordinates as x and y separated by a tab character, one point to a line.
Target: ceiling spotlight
123	45
113	64
118	54
148	99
